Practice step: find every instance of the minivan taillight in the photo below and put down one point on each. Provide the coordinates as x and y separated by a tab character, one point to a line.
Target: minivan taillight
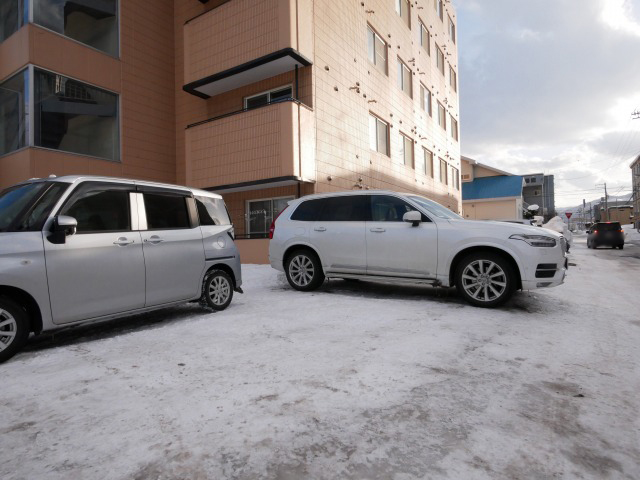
272	228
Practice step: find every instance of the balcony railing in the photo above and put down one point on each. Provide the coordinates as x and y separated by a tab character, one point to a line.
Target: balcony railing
273	145
245	41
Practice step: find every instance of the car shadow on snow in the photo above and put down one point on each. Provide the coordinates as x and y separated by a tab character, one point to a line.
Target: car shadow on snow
113	328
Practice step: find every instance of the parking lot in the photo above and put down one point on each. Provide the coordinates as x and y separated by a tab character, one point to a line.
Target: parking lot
356	380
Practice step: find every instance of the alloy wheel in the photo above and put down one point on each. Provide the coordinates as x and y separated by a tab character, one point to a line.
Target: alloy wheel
8	329
484	280
219	290
301	270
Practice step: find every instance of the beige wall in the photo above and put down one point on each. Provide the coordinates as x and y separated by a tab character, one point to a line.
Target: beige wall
480	172
620	214
253	251
496	209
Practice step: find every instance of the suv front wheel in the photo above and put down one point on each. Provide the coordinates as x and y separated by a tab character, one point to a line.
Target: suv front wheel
304	271
14	328
485	279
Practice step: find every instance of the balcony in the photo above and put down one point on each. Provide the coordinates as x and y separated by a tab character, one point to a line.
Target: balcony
244	41
270	146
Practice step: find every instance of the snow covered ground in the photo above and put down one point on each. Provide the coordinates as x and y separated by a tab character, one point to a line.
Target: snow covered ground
353	381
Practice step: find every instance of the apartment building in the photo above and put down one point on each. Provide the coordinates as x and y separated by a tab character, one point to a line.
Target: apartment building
260	100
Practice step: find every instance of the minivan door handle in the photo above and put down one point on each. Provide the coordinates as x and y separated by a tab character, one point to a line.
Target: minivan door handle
377	230
320	229
154	240
123	242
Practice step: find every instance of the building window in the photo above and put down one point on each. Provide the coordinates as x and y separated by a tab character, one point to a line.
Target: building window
440	59
438	4
425	99
403	9
378	135
425	41
94	23
279	94
260	214
453	79
13	15
424	163
404	78
454	127
442	116
455	177
14	103
377	50
452	30
443	172
75	117
406	150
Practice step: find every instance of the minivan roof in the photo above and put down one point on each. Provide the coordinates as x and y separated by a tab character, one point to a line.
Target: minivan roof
79	178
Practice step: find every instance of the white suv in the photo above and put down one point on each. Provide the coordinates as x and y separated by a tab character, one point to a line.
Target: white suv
405	238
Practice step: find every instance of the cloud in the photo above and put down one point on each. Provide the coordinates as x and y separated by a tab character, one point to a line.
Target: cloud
548	86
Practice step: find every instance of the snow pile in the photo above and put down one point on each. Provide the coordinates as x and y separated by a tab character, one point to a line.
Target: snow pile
557	225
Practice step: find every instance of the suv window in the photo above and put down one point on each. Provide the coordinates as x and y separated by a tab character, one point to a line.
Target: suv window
352	208
100	209
212	211
607	227
390	209
166	211
308	211
26	207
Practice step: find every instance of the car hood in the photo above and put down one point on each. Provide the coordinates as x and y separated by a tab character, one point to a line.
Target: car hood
502	228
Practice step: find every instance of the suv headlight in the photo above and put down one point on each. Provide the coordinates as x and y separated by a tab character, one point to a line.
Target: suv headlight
535	240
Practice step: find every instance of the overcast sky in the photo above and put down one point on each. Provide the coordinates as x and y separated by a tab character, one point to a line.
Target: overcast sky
549	86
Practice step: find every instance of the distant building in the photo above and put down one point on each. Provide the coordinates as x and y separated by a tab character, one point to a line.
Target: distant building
635	181
539	190
489	193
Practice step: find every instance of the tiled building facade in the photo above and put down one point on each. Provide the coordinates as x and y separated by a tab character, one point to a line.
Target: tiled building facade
260	100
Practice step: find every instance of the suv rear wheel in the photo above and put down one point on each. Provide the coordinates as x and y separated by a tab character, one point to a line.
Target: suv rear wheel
485	279
14	328
304	271
217	291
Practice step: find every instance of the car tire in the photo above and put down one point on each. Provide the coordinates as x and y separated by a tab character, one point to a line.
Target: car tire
620	247
14	328
485	279
217	290
303	270
588	244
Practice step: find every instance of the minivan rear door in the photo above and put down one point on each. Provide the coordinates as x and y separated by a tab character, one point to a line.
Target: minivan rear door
172	246
339	234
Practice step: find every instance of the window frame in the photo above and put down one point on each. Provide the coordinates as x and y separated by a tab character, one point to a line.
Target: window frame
452	29
453	78
442	116
426	153
454	128
423	29
170	193
268	93
387	134
425	93
404	139
439	6
402	68
371	31
455	174
248	202
400	10
444	171
440	61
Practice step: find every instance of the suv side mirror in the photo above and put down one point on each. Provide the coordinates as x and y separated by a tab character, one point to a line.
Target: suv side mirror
62	227
413	217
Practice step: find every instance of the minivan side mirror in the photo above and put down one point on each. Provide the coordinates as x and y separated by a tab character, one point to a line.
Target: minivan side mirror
62	227
412	217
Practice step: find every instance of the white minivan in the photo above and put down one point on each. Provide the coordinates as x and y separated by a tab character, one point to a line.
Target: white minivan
405	238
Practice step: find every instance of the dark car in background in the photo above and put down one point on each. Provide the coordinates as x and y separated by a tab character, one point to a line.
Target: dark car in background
609	234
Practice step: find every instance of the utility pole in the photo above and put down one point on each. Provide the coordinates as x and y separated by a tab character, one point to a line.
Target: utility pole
606	199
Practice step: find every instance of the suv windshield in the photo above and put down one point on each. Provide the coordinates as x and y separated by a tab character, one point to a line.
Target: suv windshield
608	227
435	208
25	207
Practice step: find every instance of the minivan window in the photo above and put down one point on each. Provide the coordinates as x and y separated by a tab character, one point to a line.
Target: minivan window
385	208
308	211
166	212
212	211
14	200
100	210
352	208
33	220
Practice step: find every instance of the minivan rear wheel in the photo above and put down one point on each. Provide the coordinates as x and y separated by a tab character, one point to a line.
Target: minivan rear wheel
217	291
14	328
485	279
304	271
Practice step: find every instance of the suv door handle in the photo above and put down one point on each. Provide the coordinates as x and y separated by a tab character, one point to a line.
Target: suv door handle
377	230
123	242
154	240
320	229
